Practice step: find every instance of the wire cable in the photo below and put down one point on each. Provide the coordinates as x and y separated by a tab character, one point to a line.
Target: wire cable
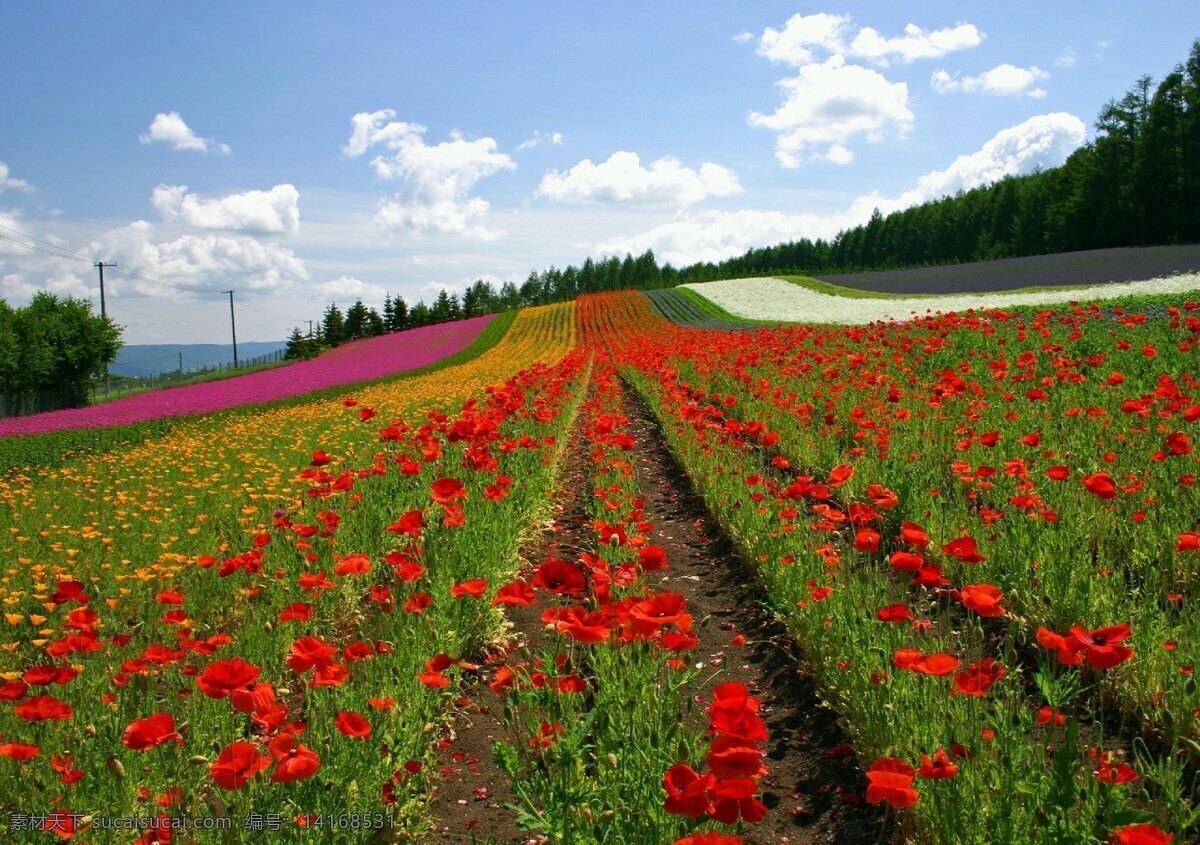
72	252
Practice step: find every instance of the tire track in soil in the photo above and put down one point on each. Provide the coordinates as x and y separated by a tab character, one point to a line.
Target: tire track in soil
472	789
809	794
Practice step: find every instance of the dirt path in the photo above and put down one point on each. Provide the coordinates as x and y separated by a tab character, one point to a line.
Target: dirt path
472	789
812	796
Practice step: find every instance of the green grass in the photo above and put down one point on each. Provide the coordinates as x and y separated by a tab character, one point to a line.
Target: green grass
55	448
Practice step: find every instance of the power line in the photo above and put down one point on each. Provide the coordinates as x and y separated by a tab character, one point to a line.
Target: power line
72	252
145	277
44	250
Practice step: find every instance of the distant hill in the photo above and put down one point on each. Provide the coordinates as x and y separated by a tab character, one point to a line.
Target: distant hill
144	359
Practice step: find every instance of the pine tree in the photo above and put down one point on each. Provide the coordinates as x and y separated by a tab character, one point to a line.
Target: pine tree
399	321
333	326
356	321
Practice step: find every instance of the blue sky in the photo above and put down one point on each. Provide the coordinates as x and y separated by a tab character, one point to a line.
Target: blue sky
216	145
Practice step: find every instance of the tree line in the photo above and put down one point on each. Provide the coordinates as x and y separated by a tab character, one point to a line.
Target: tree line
50	351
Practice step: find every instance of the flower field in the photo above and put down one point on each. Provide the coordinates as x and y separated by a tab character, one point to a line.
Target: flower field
975	534
775	299
362	361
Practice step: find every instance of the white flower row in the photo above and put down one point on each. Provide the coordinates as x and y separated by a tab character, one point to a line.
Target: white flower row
775	299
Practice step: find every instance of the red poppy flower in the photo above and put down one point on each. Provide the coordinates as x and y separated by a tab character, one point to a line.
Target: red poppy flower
906	561
894	613
652	558
418	603
581	626
237	763
939	768
447	490
503	680
43	707
224	676
352	724
293	761
356	564
560	578
686	791
867	540
913	535
411	523
19	750
711	838
1102	648
473	588
978	677
1062	646
320	459
839	475
659	611
730	758
964	549
984	599
151	732
890	781
1101	485
1140	834
516	594
734	800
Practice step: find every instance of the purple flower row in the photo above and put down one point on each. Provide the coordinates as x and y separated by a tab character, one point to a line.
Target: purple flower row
354	362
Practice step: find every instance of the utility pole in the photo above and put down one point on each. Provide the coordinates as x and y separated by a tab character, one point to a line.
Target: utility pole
100	265
181	362
310	322
232	327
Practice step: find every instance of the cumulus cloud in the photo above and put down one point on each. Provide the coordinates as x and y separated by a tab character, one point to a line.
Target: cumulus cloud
803	36
915	43
827	104
623	179
1066	58
437	179
348	288
539	138
207	261
8	183
273	212
1003	80
1042	141
169	128
743	37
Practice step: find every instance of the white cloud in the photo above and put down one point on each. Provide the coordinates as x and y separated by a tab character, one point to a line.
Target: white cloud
827	104
273	212
347	288
437	179
915	43
1066	58
539	138
8	183
1003	80
805	35
795	43
169	128
743	37
1042	141
623	179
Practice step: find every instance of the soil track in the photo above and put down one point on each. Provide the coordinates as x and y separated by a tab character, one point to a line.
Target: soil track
472	789
813	797
1089	267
